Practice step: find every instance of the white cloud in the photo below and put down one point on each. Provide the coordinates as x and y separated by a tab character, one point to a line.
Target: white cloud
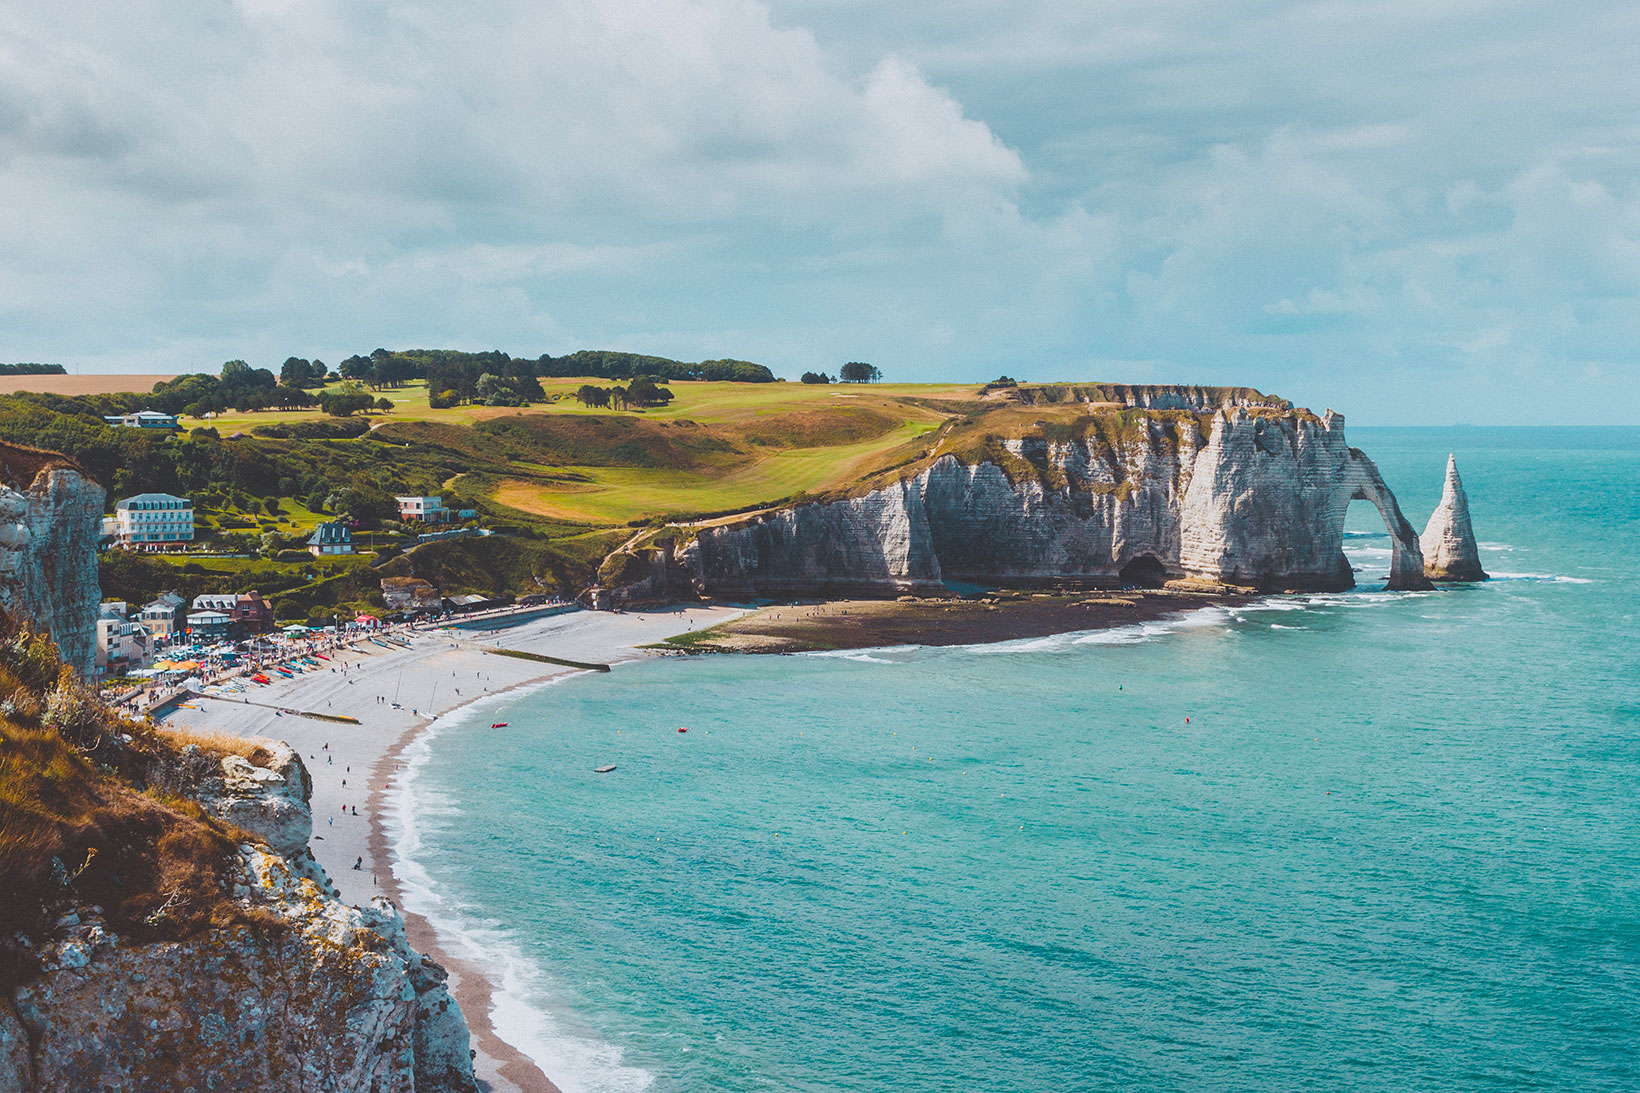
1339	200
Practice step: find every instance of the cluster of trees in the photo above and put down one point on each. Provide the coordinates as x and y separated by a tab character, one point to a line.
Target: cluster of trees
609	365
515	381
852	372
216	471
32	370
239	387
643	391
351	399
297	372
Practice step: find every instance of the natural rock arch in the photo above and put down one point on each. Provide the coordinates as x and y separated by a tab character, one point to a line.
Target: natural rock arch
1406	565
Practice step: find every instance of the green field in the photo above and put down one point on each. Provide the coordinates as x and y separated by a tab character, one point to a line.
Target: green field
776	440
560	483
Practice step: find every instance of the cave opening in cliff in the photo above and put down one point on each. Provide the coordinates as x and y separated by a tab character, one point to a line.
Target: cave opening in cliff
1145	571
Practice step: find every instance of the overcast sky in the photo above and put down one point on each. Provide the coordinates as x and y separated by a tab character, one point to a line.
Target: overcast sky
1419	212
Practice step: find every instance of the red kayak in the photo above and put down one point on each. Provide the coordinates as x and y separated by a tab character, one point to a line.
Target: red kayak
499	725
682	729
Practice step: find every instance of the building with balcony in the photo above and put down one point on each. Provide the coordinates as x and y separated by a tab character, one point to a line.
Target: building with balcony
431	510
153	521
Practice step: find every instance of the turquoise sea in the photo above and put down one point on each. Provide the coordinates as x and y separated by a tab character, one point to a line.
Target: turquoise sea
1365	841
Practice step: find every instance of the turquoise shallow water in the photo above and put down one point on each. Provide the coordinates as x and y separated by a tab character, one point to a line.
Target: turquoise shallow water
1395	846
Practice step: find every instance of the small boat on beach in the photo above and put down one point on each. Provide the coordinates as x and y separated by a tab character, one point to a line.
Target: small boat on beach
605	769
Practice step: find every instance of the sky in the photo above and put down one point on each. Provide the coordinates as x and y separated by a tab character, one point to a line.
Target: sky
1412	212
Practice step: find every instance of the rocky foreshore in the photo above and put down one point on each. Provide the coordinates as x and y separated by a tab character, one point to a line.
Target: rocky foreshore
294	991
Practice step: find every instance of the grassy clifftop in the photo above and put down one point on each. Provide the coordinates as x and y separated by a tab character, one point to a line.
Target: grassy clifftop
91	812
557	480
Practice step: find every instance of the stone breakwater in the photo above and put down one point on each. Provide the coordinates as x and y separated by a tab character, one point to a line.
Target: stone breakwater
50	524
1243	496
306	994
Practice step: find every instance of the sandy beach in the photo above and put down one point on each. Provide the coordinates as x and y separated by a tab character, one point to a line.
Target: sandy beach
395	693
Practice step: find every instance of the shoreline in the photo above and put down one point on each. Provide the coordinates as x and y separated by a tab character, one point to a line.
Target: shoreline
839	625
470	987
378	745
397	694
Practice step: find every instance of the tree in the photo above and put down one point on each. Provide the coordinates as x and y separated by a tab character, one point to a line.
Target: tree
815	377
859	372
356	368
644	391
385	405
443	400
345	403
295	372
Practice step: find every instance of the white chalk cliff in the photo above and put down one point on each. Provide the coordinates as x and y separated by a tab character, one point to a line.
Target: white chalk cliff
1448	542
314	996
1233	494
50	523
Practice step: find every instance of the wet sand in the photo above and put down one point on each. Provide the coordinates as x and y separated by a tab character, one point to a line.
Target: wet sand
1002	616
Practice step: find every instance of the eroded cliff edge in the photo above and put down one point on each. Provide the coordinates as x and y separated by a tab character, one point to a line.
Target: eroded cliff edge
164	925
50	523
171	930
1221	486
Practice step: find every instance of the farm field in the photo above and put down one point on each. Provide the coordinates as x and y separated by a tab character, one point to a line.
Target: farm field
619	495
770	441
83	385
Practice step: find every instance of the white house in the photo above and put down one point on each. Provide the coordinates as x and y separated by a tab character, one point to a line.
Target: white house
153	520
430	510
143	419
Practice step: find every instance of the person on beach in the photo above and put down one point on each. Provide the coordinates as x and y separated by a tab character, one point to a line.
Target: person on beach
358	863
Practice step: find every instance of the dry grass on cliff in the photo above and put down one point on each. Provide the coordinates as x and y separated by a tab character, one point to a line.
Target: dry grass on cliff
76	827
216	743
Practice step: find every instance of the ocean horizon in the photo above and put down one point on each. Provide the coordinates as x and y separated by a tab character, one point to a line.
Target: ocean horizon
1354	840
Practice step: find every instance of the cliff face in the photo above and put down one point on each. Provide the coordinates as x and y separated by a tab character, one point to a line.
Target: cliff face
1450	551
50	523
1250	495
302	993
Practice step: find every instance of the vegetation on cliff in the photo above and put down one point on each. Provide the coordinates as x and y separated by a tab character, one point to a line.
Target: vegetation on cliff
92	812
557	479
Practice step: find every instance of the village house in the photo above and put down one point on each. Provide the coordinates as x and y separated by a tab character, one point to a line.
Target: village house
247	613
164	616
331	539
122	645
431	510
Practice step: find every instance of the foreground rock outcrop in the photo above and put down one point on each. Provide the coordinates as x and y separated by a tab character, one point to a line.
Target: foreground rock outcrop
1243	493
50	524
295	992
1448	542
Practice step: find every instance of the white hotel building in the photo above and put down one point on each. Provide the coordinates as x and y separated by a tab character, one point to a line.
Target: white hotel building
154	520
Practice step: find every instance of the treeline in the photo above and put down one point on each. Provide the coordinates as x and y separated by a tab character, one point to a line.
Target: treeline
32	370
453	376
